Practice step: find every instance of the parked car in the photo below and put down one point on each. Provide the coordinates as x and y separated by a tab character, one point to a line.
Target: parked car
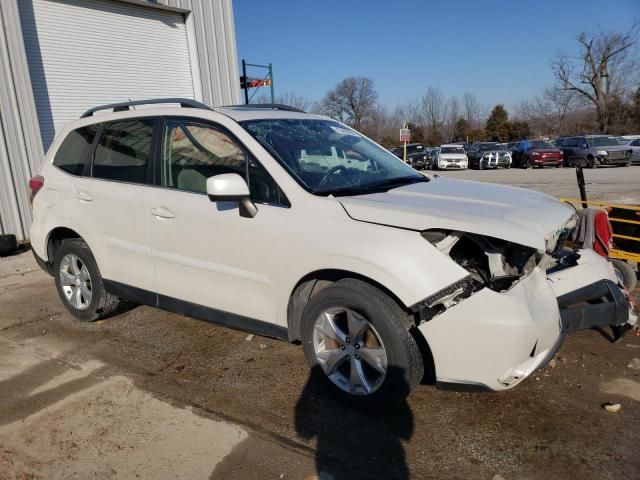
593	150
416	155
537	153
635	150
488	155
295	226
451	157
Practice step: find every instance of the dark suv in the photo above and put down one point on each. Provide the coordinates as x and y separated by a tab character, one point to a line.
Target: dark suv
593	150
416	155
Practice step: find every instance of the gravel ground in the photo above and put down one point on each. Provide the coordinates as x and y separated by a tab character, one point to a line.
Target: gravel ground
149	394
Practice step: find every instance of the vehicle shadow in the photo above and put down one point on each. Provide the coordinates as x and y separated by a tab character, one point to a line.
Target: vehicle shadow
352	443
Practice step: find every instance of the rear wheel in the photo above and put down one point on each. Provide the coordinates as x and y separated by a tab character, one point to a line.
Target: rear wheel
357	337
79	282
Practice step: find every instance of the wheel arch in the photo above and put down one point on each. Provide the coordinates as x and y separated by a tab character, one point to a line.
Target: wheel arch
315	281
55	237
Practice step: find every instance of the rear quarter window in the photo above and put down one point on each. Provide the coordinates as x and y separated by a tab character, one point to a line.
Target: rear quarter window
73	156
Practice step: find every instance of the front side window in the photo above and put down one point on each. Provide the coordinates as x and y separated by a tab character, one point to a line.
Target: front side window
328	158
73	156
582	143
124	150
193	152
635	143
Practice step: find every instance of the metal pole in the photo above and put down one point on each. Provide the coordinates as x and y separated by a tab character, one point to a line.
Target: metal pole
583	191
273	98
404	154
244	74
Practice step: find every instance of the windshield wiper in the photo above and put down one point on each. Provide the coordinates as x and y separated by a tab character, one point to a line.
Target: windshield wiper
372	187
395	182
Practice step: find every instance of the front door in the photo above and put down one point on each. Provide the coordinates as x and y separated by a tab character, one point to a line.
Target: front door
205	253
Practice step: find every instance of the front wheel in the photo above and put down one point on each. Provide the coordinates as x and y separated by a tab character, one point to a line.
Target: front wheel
357	336
591	162
79	282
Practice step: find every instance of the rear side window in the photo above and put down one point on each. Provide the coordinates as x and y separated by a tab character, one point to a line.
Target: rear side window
73	156
123	151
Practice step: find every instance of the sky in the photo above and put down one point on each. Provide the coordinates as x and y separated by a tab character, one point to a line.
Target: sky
498	50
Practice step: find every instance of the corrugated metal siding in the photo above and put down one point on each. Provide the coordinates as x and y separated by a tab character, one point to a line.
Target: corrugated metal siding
84	53
21	150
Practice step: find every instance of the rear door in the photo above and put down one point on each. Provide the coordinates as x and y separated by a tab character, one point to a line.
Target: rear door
109	203
205	253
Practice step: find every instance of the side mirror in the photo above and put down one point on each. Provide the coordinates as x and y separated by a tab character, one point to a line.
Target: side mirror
231	187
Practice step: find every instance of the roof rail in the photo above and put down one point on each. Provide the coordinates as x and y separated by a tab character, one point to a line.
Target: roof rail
122	106
272	106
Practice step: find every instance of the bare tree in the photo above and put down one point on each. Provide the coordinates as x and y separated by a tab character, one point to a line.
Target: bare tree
453	114
606	68
434	108
472	109
352	101
548	113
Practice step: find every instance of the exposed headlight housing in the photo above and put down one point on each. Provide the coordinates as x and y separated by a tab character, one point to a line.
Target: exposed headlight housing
602	153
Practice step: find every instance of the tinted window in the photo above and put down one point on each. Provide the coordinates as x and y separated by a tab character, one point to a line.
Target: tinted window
582	143
123	151
605	141
73	154
635	143
194	152
570	142
458	150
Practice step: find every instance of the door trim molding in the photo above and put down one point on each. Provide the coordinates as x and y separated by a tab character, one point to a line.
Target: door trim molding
194	310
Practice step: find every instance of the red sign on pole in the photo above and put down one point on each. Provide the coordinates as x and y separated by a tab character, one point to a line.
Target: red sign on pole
405	135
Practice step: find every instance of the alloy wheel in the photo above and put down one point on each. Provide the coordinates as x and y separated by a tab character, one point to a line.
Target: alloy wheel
75	281
350	351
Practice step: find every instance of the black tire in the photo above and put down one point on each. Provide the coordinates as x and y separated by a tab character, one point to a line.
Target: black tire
626	273
526	163
591	162
405	367
102	304
8	244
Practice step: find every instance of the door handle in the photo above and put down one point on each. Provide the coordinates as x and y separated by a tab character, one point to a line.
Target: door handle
84	196
162	212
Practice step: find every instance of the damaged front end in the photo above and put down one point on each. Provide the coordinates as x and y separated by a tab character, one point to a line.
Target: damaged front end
509	316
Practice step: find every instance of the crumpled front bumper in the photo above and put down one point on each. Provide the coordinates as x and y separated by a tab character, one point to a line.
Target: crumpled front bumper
492	341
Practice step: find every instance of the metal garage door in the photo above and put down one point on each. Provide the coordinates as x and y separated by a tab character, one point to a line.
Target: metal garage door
83	53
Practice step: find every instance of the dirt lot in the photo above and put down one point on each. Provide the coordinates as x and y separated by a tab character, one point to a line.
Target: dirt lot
149	394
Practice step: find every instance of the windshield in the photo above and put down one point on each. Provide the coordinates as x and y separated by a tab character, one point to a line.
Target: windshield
326	157
604	141
488	146
541	144
452	150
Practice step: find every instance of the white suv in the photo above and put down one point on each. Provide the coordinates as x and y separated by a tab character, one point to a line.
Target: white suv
295	226
451	157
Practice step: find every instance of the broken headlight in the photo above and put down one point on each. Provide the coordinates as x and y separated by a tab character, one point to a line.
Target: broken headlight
491	262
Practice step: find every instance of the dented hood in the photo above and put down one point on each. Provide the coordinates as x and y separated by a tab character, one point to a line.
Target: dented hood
513	214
